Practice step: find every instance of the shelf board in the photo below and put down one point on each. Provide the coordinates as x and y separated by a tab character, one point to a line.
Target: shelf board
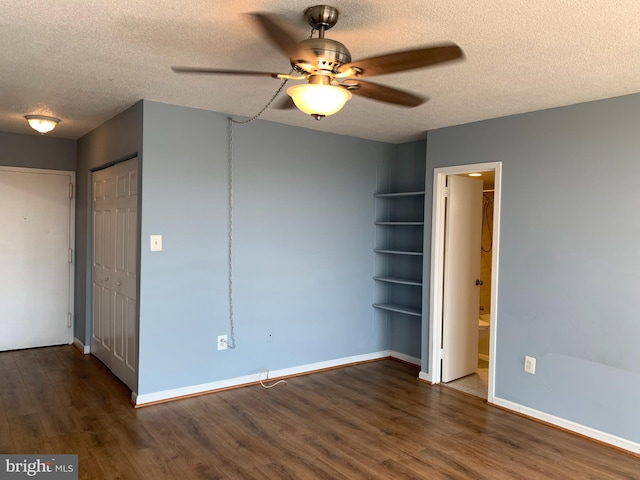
398	194
394	307
397	252
401	281
400	223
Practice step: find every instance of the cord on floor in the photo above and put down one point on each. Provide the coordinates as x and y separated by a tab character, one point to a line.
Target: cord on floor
284	382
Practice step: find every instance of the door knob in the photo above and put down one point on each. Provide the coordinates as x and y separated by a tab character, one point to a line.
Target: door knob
479	282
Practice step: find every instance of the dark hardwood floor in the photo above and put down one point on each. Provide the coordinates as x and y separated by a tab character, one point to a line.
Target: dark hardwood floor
373	420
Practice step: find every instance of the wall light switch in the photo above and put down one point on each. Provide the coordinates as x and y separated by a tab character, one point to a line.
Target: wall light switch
156	243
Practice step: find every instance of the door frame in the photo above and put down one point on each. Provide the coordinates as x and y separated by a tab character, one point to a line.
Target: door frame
437	269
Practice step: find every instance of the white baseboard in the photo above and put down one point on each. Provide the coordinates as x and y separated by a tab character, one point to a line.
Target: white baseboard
86	349
405	358
569	425
155	397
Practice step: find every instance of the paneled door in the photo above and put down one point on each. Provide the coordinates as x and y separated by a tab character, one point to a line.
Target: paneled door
461	300
114	337
36	253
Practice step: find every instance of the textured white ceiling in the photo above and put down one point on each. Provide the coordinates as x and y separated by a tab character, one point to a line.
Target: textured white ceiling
85	61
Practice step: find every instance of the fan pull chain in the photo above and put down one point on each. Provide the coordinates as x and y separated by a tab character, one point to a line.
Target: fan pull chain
275	95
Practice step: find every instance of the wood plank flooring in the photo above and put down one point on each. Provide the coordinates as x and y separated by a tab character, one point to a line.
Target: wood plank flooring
369	421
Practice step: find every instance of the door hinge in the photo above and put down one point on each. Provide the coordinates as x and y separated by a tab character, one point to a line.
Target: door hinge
70	259
445	192
69	320
70	191
441	353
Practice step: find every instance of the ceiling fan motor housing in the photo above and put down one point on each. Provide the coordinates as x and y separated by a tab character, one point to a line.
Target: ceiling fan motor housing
329	54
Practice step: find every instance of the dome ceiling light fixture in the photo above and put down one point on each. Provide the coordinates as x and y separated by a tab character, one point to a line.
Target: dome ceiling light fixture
42	123
326	65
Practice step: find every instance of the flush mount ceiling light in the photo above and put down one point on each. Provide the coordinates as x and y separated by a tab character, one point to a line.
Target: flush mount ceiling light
475	174
42	123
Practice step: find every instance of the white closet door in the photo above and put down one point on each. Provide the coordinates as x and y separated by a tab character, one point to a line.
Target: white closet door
36	226
114	271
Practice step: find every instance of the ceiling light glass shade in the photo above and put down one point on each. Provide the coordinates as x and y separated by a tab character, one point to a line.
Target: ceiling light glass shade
41	123
322	100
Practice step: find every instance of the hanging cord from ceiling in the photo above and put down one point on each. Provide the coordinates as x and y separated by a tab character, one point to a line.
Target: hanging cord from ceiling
232	333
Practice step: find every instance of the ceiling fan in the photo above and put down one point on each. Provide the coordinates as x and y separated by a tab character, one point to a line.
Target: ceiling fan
327	66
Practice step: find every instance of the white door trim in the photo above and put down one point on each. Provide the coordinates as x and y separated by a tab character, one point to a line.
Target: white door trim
72	230
437	269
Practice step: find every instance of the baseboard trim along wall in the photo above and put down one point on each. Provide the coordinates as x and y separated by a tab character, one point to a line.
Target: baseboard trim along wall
405	358
425	376
147	399
583	430
86	349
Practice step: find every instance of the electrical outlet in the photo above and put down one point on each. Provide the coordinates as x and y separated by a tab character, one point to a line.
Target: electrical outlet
530	365
269	335
222	342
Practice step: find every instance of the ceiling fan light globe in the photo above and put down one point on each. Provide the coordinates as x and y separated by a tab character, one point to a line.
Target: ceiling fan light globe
321	100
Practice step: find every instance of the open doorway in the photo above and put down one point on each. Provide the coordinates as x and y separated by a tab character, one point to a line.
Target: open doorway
464	274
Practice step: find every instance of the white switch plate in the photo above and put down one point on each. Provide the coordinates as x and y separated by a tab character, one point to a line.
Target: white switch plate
156	243
530	365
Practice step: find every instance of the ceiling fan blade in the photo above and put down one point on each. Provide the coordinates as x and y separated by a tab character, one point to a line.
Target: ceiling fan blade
282	38
385	94
404	60
222	71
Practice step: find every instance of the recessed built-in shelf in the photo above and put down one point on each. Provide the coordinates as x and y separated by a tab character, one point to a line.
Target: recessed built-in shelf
394	307
401	281
400	223
398	194
400	236
397	252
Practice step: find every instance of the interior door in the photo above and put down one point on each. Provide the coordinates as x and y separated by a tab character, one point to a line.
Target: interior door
463	233
114	269
36	225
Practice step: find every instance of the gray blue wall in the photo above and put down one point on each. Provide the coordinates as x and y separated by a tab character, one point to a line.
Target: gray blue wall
37	151
117	139
303	241
569	270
